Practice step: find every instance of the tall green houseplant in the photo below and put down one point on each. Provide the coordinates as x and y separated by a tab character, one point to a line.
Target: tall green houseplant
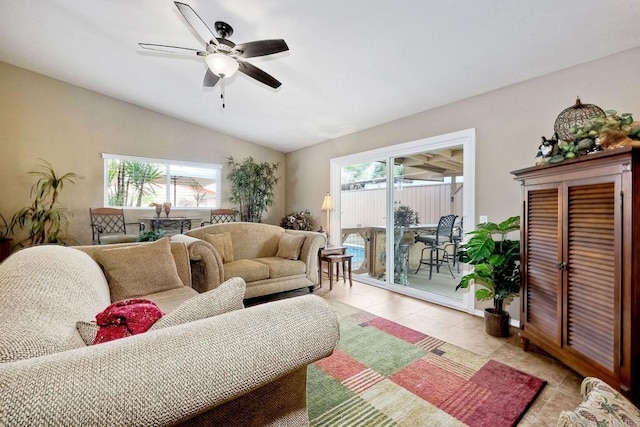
252	187
46	219
496	262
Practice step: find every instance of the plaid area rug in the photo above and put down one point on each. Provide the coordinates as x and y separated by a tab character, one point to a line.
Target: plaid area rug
384	374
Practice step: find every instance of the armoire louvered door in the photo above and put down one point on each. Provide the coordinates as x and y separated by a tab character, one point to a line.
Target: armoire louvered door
591	284
580	260
543	298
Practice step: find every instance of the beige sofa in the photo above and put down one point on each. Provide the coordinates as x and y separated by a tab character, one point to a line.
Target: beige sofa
244	367
254	257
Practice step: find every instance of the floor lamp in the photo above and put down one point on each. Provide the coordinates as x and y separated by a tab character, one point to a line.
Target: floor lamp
327	205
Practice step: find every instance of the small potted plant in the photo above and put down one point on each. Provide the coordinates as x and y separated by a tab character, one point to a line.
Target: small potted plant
297	221
150	235
496	261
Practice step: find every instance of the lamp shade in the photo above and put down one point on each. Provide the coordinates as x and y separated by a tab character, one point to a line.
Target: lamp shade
327	203
221	65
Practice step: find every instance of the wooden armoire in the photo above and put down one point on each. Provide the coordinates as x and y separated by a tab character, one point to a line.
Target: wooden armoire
580	264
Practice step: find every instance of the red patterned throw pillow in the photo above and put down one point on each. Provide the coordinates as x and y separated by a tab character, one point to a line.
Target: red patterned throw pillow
125	318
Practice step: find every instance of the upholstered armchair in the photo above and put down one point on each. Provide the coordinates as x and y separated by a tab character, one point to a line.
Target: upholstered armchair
245	367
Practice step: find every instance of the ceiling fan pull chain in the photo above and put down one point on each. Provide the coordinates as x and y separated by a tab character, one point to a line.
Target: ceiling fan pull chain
222	85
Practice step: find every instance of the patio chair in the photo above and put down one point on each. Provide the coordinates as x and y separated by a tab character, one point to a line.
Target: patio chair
108	226
436	245
457	240
221	215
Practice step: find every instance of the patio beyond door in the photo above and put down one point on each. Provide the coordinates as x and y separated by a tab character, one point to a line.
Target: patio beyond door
389	209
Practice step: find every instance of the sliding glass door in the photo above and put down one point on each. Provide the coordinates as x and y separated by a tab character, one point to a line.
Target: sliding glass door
389	204
363	218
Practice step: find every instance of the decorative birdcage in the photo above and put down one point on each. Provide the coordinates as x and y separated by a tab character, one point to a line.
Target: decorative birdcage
575	115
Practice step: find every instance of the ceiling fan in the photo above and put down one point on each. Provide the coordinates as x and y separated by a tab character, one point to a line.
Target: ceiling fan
223	57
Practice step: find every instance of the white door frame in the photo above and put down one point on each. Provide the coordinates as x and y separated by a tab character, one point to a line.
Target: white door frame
465	138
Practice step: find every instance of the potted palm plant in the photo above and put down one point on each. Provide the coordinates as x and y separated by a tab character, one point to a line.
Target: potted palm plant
496	261
5	240
45	220
252	187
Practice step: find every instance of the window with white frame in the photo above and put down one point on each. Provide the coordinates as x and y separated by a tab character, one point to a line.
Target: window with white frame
138	181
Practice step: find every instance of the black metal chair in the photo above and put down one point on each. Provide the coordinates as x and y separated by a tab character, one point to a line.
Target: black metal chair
436	245
457	240
108	226
221	215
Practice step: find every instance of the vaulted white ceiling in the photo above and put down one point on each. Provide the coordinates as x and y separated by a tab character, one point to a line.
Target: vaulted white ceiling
352	64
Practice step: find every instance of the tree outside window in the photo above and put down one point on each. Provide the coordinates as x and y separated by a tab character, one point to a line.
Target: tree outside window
137	182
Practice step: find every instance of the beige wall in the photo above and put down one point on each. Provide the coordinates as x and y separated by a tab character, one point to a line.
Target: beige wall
70	127
509	123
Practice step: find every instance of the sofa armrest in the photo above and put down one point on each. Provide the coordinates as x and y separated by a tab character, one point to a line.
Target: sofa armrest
207	270
170	375
309	251
602	405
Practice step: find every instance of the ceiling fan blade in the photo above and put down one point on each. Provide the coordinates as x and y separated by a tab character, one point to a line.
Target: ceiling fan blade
171	49
261	48
210	79
196	23
258	74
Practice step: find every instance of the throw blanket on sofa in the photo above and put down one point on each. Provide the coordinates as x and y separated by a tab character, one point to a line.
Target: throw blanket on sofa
125	318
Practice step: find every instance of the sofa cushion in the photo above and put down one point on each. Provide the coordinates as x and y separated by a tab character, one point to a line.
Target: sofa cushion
255	242
168	301
248	269
226	297
222	243
250	239
171	299
191	306
118	238
290	245
279	267
135	271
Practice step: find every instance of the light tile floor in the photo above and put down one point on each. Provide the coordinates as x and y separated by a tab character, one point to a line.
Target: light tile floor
562	391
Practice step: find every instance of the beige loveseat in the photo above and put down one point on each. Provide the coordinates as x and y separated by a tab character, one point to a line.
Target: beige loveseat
244	367
256	254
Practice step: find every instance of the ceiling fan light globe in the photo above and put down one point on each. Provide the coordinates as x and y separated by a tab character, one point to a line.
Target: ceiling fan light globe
221	65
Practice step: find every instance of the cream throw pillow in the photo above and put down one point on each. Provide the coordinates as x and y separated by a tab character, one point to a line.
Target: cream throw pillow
223	244
135	271
290	245
87	330
226	297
